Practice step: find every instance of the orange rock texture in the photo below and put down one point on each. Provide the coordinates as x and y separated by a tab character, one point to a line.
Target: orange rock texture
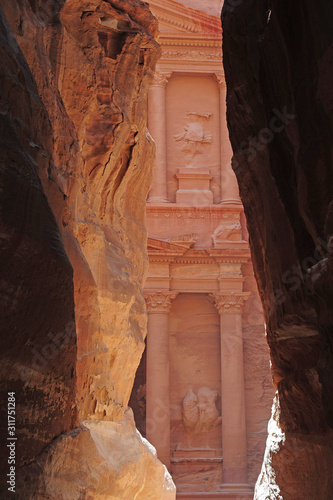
76	162
279	72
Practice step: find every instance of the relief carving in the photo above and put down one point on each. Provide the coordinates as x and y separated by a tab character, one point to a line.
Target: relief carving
199	412
230	231
195	137
192	54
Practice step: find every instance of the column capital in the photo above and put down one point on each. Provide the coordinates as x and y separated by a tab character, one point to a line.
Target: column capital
220	80
159	302
230	302
161	78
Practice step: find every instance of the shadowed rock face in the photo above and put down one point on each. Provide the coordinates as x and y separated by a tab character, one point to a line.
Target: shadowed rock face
36	286
75	170
278	59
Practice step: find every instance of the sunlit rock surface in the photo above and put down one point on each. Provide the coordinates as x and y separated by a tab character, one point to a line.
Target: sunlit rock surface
76	163
278	62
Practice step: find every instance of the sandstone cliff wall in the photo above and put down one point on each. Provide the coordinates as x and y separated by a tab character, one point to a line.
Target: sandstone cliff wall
278	65
76	163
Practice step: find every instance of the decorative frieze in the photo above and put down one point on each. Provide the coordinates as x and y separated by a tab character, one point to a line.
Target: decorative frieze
230	271
159	302
192	55
231	302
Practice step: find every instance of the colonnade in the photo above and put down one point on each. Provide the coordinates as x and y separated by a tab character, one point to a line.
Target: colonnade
157	128
230	307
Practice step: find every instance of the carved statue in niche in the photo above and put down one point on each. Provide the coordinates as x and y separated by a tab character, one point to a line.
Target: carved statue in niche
194	138
199	412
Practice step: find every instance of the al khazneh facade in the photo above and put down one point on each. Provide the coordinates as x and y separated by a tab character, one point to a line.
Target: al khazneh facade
203	393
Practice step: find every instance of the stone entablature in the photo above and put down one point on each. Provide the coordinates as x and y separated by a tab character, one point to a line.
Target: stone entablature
218	228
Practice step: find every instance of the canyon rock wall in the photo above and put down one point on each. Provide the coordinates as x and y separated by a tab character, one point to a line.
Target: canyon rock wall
76	162
278	61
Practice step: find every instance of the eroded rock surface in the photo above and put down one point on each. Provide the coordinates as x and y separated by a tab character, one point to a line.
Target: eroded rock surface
76	155
278	64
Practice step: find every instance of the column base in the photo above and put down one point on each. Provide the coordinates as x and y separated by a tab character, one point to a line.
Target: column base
193	186
236	491
226	492
230	201
155	200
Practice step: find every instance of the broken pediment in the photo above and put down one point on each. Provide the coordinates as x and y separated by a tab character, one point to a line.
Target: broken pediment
175	17
165	246
178	244
185	240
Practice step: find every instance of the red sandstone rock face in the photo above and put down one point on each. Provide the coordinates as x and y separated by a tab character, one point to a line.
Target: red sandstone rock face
278	64
74	140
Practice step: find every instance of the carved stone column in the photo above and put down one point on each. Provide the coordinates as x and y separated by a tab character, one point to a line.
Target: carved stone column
157	395
230	307
229	186
157	129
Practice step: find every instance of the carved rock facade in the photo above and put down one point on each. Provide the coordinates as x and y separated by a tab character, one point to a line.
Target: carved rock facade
206	365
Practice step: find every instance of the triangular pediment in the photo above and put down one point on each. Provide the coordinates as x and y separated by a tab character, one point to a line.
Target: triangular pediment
175	17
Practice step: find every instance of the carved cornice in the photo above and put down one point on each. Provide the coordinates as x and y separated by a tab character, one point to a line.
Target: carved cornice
231	302
168	41
195	260
159	302
161	78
